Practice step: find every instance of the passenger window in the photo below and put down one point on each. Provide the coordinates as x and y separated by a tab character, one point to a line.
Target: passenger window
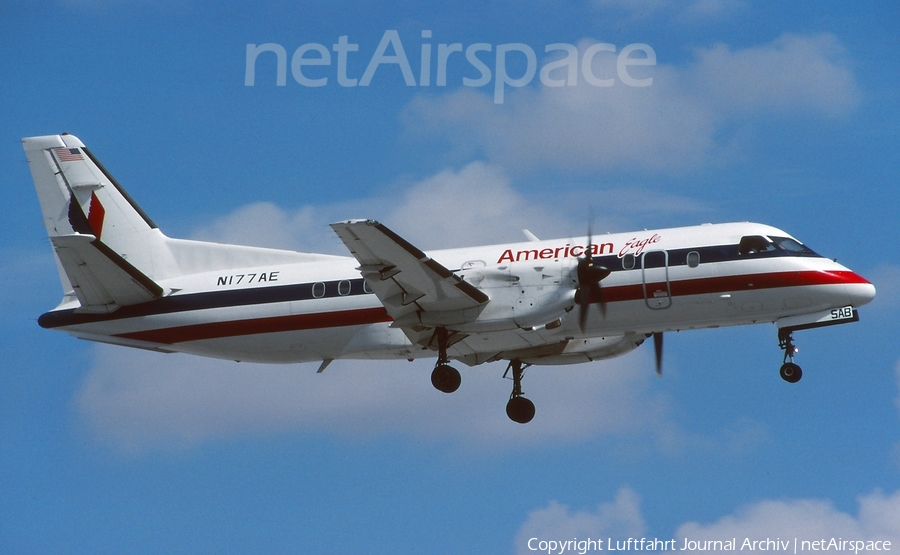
628	262
755	244
318	290
344	287
693	259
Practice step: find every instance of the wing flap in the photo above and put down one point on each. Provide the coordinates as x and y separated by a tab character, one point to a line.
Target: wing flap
101	279
412	286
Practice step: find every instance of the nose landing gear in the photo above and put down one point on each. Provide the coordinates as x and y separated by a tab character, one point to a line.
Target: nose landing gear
790	372
518	409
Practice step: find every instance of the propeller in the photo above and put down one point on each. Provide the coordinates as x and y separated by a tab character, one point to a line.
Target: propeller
658	350
589	277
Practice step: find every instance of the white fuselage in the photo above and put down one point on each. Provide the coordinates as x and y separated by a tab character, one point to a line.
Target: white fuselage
661	280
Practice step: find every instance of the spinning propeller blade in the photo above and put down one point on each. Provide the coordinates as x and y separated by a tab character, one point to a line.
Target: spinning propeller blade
657	350
589	277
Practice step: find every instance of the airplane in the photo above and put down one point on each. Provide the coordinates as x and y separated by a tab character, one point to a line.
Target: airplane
537	302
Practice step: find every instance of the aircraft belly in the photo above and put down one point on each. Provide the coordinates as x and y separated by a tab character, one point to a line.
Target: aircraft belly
689	308
380	341
269	332
175	327
370	341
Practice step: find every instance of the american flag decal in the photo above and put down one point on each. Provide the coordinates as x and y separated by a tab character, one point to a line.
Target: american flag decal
68	154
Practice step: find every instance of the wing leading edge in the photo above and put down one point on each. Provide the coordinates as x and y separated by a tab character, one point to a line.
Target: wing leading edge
417	291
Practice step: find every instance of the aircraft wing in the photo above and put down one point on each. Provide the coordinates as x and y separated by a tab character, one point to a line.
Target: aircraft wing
101	279
416	290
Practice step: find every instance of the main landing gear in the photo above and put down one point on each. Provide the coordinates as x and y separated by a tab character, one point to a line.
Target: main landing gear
790	372
444	377
447	379
518	409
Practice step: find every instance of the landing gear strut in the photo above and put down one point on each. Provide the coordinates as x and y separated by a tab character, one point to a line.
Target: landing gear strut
518	409
444	377
790	372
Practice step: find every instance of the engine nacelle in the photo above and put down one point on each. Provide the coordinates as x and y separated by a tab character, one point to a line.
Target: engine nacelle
590	349
523	296
510	308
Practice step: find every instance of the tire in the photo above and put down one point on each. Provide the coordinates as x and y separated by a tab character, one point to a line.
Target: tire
790	372
520	409
446	378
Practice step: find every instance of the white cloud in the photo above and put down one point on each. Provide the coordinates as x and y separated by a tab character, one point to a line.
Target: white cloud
261	224
886	279
793	73
572	128
474	205
621	518
877	519
679	122
138	401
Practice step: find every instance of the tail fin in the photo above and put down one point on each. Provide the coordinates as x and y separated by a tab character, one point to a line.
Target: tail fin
109	253
105	245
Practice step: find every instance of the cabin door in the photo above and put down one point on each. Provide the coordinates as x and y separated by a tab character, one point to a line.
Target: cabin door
655	278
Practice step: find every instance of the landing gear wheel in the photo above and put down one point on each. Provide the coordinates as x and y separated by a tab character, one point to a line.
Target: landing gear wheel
790	372
445	378
520	409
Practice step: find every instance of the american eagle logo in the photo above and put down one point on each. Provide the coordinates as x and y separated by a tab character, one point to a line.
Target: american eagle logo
92	224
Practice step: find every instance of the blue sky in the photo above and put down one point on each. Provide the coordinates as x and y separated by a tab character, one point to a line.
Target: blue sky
773	112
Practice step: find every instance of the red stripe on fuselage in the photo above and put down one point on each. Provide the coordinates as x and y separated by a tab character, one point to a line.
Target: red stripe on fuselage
633	292
727	284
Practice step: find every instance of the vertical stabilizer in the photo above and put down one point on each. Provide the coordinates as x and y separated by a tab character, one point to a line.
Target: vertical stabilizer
78	195
105	245
109	253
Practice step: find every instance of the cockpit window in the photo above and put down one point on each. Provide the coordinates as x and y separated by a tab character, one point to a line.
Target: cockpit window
755	244
759	245
792	247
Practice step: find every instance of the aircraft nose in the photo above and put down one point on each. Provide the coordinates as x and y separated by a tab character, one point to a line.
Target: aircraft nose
861	292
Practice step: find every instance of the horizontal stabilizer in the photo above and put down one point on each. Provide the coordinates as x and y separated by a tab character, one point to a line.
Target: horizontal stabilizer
102	280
